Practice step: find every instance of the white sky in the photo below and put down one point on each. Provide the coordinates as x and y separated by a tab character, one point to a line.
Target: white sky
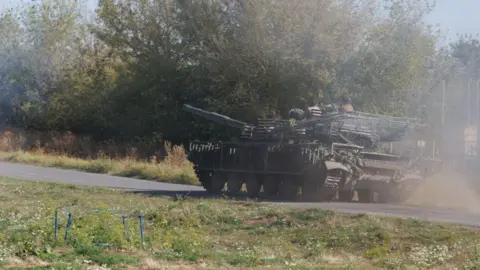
454	16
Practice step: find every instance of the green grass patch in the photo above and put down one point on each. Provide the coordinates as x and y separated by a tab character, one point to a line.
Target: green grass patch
213	233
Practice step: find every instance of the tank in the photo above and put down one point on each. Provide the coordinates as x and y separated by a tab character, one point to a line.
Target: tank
313	156
282	158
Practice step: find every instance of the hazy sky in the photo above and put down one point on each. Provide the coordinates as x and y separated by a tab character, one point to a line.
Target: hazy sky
456	16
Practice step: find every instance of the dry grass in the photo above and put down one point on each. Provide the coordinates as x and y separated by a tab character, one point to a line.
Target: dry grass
188	233
168	164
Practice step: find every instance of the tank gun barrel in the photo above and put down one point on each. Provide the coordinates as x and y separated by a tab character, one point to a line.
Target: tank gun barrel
215	117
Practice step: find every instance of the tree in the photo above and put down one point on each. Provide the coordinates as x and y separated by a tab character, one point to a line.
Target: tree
35	50
128	74
394	63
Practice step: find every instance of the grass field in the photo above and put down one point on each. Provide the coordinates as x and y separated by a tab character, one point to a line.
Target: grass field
187	233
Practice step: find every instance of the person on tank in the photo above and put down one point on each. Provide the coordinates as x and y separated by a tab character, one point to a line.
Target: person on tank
347	103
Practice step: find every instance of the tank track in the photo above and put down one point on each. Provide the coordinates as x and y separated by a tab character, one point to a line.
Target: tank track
330	187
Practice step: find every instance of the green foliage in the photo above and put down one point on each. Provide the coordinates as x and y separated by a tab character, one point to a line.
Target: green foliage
127	73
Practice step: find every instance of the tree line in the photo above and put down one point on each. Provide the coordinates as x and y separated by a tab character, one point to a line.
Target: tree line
126	71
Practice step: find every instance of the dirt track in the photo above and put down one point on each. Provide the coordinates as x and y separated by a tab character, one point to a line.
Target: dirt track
445	197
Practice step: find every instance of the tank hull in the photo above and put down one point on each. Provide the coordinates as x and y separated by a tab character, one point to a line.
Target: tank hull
313	156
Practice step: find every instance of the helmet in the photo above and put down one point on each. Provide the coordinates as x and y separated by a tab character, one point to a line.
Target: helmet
346	99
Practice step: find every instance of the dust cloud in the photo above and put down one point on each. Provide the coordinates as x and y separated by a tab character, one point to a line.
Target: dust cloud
448	189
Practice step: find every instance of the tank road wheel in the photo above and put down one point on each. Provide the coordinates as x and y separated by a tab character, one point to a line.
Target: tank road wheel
217	183
313	183
398	194
366	196
270	185
253	185
204	178
402	191
234	183
288	189
345	191
345	195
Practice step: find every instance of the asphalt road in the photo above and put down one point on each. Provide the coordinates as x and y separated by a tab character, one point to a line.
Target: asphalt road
33	173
